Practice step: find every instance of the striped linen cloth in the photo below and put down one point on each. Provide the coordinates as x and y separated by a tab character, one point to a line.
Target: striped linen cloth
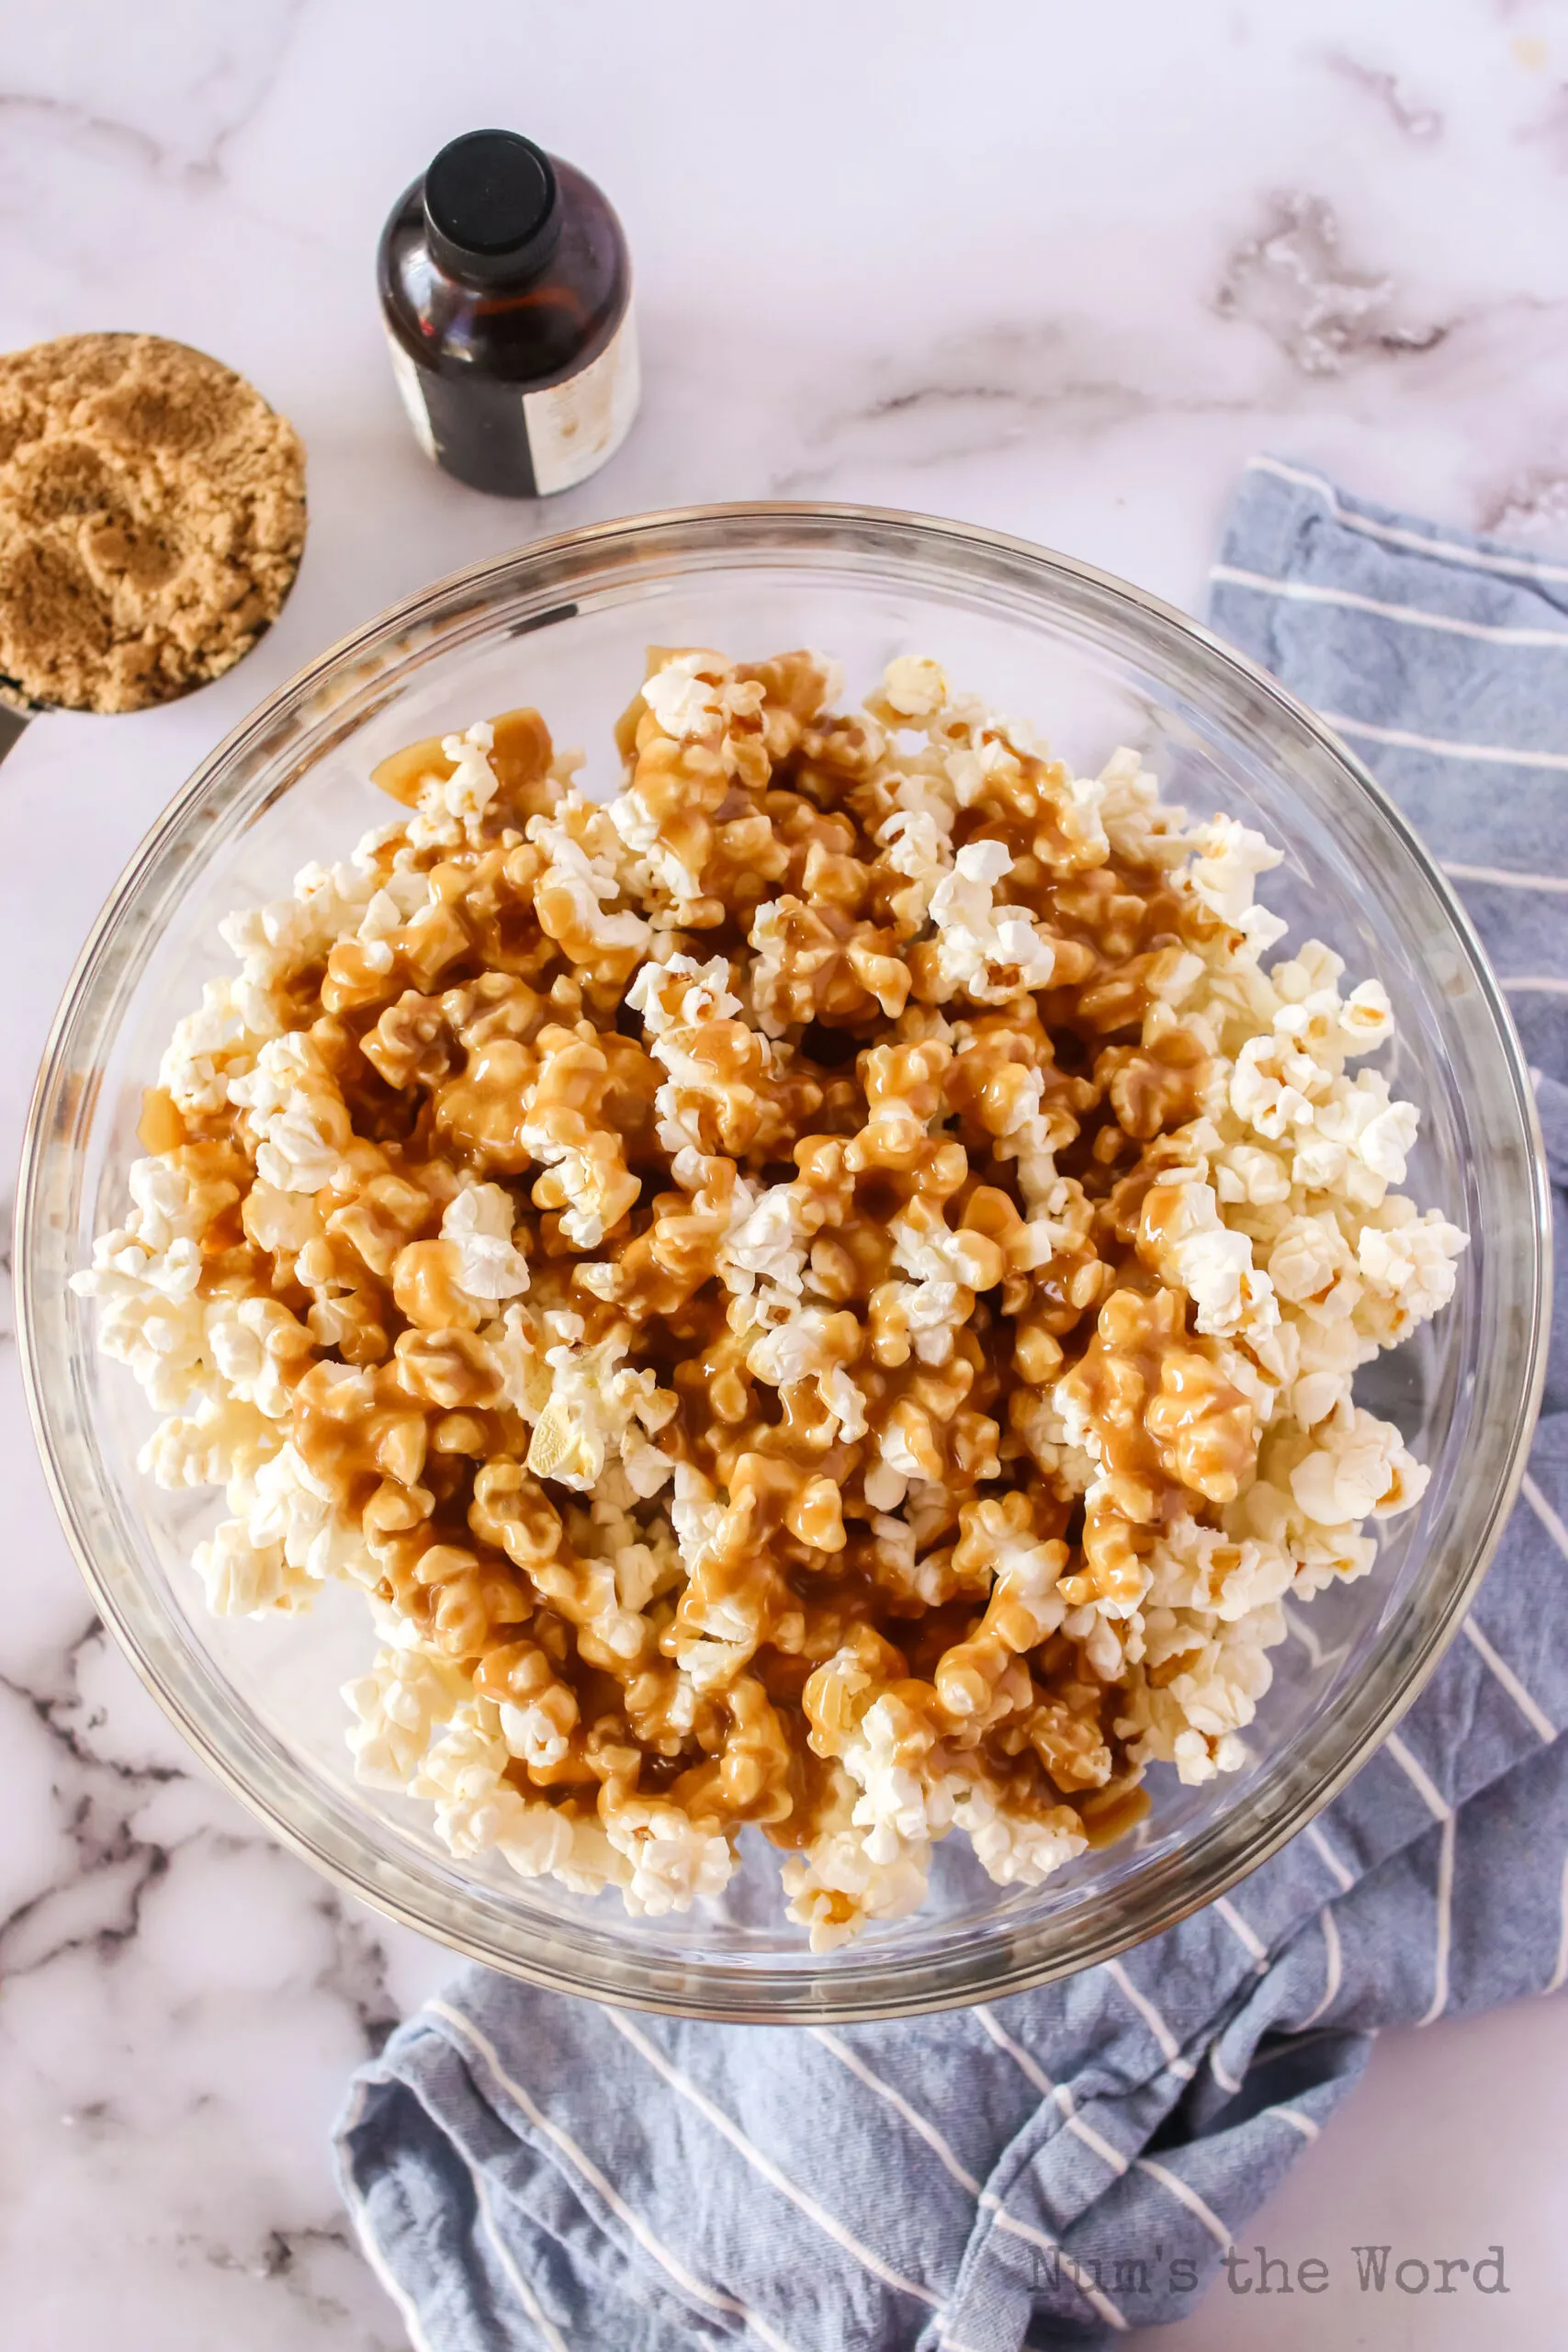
529	2171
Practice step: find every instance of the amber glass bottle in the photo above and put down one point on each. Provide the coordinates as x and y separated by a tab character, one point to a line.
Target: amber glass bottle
506	292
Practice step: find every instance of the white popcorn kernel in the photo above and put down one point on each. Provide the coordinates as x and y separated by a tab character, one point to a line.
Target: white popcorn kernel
683	694
1230	858
597	1411
247	1580
256	1344
1387	1139
1016	1851
1245	1171
453	808
586	881
678	1000
1272	1088
883	1486
294	1110
995	955
899	1807
915	686
399	1706
675	1861
531	1733
837	1890
222	1439
1412	1266
280	1220
205	1047
1211	1263
478	1223
1359	1468
1366	1018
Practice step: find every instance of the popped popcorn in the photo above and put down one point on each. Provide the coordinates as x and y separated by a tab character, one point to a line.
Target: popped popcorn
664	1253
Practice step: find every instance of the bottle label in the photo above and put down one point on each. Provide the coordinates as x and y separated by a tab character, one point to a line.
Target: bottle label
412	391
575	427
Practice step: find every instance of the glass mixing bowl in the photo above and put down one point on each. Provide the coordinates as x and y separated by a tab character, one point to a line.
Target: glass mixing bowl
564	623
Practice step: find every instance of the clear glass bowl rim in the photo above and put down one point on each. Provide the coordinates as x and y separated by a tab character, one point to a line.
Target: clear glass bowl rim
875	1984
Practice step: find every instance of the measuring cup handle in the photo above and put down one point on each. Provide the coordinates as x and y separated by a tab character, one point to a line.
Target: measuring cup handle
13	726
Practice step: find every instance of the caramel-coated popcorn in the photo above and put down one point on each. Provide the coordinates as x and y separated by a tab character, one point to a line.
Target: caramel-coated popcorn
824	1294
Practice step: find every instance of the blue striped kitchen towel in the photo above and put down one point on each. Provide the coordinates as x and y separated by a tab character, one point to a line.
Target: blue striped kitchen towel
529	2171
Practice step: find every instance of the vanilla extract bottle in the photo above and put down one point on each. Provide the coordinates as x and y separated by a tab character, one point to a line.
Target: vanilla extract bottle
505	290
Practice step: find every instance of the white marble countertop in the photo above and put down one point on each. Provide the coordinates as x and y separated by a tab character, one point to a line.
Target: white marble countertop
1057	270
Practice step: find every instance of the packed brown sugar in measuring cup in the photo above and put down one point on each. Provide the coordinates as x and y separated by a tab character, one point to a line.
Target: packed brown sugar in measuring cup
151	520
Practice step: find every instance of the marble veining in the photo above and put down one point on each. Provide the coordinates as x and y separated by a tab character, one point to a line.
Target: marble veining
1392	92
1291	281
1058	271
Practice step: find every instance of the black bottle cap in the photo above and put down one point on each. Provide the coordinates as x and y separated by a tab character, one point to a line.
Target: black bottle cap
491	209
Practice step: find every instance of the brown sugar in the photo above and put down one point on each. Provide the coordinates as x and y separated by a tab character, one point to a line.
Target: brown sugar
152	519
